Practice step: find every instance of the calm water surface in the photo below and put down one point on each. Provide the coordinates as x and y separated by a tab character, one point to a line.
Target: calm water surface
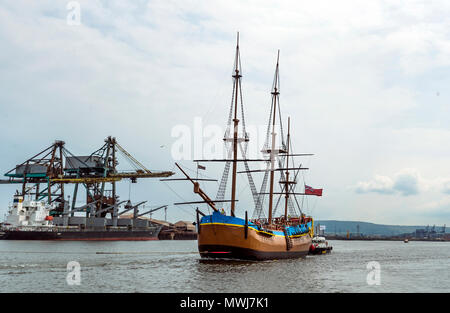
175	266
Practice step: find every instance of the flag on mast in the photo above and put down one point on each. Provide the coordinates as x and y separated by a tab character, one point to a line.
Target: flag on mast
311	191
201	167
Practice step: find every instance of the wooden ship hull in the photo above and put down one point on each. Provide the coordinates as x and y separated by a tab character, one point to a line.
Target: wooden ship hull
231	237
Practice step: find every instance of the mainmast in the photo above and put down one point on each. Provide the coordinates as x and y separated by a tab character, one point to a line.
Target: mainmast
237	78
275	94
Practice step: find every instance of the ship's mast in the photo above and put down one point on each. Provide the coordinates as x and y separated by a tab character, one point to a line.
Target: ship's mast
287	170
237	78
275	94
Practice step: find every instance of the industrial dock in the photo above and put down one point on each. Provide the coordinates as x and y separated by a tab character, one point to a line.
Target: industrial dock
42	208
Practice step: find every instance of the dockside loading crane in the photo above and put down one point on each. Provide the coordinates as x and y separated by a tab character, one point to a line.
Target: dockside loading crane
45	176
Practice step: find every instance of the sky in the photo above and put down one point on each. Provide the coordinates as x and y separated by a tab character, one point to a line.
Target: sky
365	85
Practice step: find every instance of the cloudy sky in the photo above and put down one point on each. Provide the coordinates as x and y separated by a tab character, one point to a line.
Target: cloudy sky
365	84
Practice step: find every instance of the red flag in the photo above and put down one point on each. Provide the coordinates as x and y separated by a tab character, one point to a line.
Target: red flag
311	191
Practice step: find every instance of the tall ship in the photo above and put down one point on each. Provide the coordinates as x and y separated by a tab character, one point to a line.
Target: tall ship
43	210
266	235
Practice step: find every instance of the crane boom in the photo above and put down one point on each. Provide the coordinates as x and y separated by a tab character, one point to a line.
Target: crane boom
132	158
151	211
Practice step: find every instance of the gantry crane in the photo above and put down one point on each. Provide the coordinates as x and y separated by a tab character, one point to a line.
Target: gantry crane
45	175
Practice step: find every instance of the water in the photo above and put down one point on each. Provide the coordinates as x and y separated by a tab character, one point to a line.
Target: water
175	267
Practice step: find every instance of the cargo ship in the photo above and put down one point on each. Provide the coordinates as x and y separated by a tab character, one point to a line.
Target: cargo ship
262	237
31	220
43	212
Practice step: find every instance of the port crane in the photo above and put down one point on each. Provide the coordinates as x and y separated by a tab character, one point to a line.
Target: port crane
45	176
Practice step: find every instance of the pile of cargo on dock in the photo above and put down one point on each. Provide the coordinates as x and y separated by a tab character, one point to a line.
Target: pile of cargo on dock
181	230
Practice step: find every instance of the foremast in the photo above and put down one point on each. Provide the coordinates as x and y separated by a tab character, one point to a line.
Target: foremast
275	96
237	76
235	140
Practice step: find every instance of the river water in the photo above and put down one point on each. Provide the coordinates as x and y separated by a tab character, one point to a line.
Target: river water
175	267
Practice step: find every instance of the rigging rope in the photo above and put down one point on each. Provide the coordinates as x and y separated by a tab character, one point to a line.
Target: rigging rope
167	185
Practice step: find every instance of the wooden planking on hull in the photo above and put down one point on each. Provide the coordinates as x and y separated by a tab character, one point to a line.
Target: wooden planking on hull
229	252
229	241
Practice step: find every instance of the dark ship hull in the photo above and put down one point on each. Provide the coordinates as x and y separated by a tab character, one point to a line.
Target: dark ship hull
82	235
324	250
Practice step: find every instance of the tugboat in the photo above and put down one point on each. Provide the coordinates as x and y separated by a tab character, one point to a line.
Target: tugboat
319	245
260	238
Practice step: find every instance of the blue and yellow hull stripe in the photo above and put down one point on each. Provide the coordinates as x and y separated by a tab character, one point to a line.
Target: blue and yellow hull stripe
218	219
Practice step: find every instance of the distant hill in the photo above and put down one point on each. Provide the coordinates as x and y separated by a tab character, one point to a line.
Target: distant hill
341	227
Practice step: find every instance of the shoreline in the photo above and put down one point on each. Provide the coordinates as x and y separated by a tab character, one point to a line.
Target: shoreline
394	238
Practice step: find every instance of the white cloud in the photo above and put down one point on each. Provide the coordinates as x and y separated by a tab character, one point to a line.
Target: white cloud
356	80
380	184
405	182
446	187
